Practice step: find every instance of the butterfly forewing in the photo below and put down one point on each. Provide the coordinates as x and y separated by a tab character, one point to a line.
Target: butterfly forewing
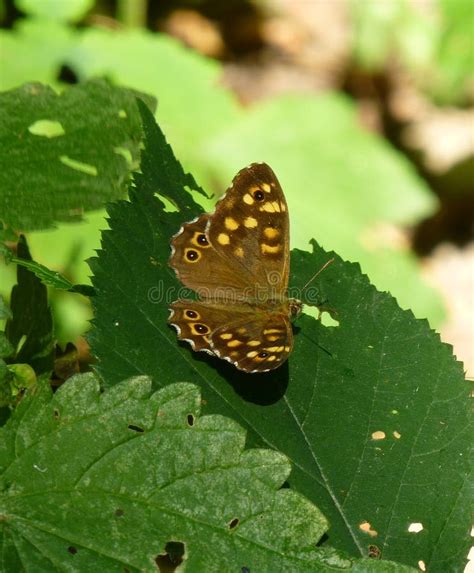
250	228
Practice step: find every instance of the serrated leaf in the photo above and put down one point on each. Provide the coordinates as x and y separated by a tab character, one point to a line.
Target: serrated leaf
79	138
380	370
30	329
112	478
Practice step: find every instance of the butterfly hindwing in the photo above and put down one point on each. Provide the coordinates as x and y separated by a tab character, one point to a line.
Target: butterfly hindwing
251	341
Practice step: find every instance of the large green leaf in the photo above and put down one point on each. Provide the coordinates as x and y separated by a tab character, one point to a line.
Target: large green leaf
33	51
64	154
343	184
104	482
69	11
372	413
191	104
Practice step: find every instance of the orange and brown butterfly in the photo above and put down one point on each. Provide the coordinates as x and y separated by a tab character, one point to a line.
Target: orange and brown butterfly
237	260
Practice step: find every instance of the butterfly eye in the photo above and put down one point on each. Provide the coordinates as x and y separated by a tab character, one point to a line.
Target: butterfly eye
258	195
263	354
202	240
201	328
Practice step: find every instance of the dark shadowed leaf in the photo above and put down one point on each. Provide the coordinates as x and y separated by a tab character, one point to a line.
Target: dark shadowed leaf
372	412
30	329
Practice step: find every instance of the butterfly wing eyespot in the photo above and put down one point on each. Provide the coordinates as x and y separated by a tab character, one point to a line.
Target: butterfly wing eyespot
192	314
202	240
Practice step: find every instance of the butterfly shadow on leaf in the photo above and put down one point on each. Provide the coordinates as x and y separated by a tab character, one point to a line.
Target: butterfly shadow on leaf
259	388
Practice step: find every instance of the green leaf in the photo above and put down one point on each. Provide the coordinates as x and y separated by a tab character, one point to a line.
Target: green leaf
6	349
46	276
5	312
69	11
52	278
380	370
30	329
191	105
112	478
52	177
342	183
33	51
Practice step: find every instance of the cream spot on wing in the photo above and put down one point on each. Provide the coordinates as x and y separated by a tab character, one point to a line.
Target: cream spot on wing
268	207
248	199
271	358
269	249
226	336
239	252
271	232
283	206
242	330
272	331
231	224
266	187
250	222
252	354
275	349
287	348
234	353
223	239
254	343
272	337
234	343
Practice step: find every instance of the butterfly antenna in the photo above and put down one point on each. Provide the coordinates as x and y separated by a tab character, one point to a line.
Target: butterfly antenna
326	264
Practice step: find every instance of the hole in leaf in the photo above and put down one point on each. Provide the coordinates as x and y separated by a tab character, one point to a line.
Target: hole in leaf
190	420
119	512
170	205
173	556
374	552
79	165
327	320
67	75
122	114
125	153
135	428
415	527
319	313
72	550
46	128
233	524
56	414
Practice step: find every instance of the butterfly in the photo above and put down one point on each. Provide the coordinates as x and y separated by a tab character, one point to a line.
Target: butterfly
237	259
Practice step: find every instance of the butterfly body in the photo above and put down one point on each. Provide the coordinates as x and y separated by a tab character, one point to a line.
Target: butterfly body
237	261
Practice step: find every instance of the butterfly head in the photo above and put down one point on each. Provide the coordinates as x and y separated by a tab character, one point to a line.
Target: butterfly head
295	306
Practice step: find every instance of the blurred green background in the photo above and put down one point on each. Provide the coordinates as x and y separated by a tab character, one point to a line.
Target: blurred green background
363	109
